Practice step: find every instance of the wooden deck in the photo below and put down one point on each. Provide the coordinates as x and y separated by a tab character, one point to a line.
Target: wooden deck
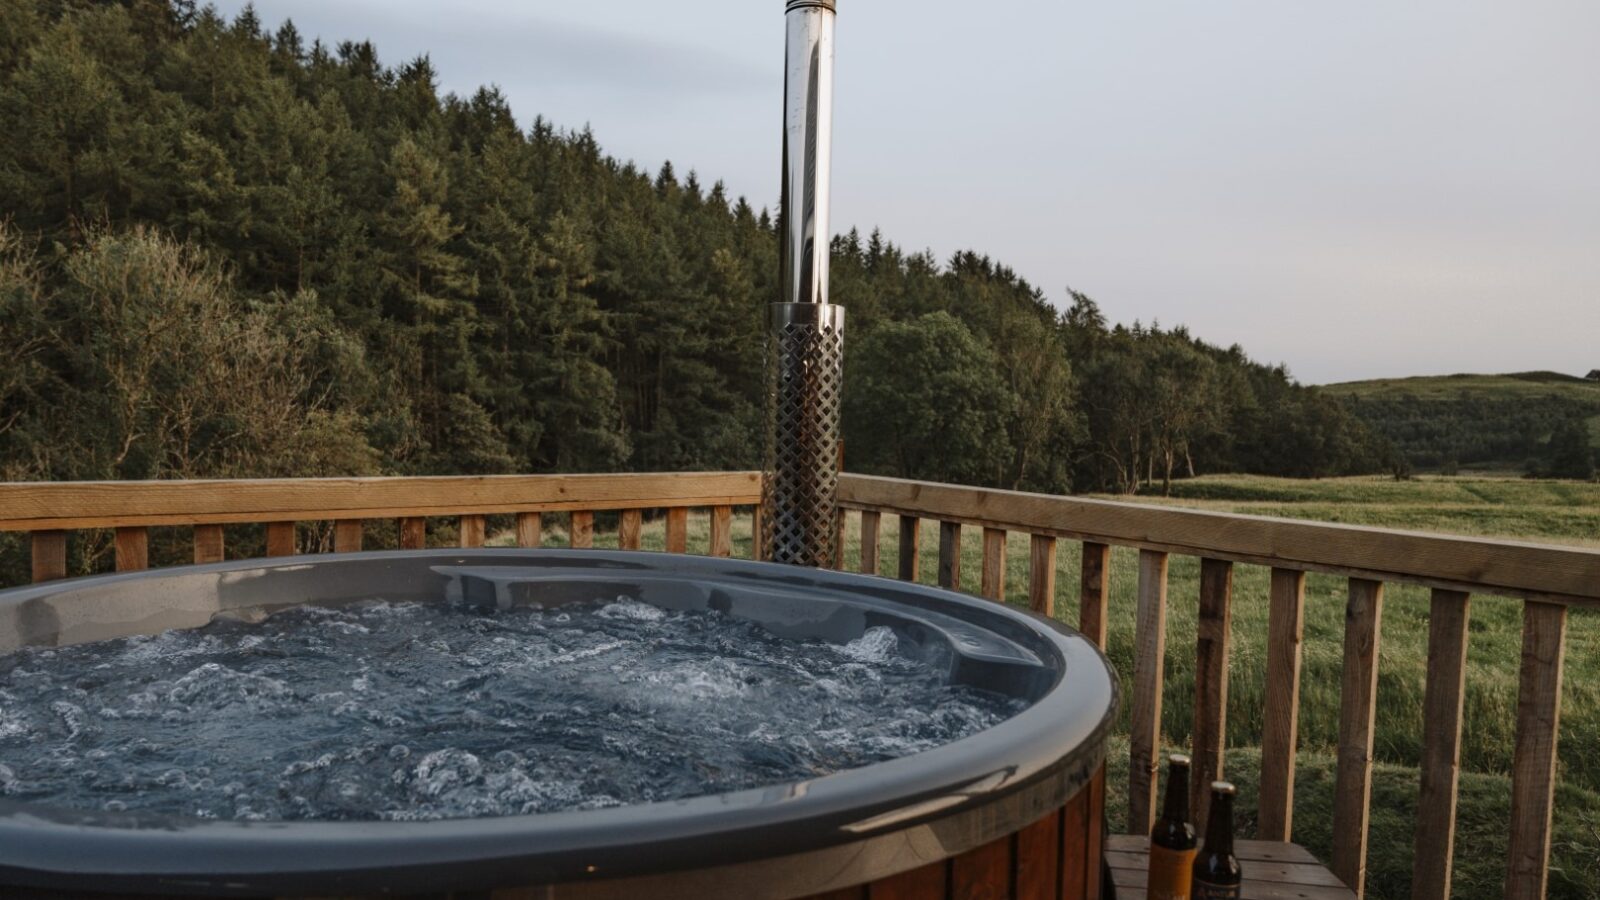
1272	871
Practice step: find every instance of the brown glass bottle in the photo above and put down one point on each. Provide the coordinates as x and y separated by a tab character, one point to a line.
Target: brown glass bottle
1216	869
1172	841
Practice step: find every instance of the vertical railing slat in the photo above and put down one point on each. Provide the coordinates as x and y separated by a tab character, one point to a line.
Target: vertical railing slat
347	536
722	531
1441	745
1533	762
629	527
208	544
1149	659
280	539
49	555
1042	574
1210	683
1094	592
678	529
909	528
471	530
413	533
950	555
581	530
133	549
870	523
1281	712
530	528
1358	708
994	564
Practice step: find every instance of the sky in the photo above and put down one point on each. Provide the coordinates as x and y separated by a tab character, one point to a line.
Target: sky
1358	190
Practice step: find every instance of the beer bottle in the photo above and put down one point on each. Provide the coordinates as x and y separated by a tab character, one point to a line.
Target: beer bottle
1216	869
1172	842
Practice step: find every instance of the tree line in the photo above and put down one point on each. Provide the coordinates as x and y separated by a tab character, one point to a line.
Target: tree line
228	251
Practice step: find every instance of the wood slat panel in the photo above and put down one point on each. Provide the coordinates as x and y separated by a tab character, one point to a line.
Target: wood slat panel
1038	856
1076	854
1150	653
208	546
1533	762
722	531
1097	832
33	506
347	536
950	555
1210	683
983	873
1358	709
49	555
280	539
133	549
413	533
910	526
838	539
1094	591
1441	745
918	884
1280	727
870	523
471	530
1042	574
530	529
994	564
677	530
581	529
629	527
1542	571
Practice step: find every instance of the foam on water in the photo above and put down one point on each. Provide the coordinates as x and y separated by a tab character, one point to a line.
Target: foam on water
424	711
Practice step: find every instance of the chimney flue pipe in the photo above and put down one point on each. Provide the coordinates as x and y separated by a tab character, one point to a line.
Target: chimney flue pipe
799	506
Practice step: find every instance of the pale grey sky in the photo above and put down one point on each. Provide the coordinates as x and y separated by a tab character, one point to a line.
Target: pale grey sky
1357	189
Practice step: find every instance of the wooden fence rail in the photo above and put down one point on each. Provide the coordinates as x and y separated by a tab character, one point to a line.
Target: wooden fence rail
1547	578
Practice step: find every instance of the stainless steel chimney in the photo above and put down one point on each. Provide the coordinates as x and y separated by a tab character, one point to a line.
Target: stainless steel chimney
799	502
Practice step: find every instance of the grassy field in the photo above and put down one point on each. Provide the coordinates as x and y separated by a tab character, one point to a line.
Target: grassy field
1524	384
1518	509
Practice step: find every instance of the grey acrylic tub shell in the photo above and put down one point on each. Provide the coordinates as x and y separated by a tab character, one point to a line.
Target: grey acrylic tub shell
843	828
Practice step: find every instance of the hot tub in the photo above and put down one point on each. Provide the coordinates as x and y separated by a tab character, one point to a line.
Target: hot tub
1013	809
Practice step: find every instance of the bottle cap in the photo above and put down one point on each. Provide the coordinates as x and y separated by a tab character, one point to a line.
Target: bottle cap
1223	787
1178	759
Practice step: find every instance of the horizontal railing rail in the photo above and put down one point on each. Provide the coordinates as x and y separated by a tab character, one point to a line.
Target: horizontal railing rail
1547	578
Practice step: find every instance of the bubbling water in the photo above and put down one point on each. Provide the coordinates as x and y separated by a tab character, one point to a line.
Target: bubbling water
409	711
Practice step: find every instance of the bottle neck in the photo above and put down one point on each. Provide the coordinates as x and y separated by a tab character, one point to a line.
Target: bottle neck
1219	825
1176	807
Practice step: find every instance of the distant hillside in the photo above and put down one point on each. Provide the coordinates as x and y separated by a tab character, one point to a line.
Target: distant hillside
1485	421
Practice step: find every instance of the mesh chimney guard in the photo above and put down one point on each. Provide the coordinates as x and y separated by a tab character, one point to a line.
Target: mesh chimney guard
799	498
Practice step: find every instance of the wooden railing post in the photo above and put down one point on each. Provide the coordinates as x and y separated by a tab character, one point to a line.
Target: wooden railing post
1094	592
49	555
909	526
133	549
347	536
1042	574
529	529
471	530
413	533
1281	716
677	530
994	564
1441	745
1358	708
280	539
1210	683
870	523
629	526
950	555
1533	762
1149	659
581	530
722	531
208	544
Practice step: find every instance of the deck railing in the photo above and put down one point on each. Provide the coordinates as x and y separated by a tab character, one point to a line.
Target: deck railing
1547	579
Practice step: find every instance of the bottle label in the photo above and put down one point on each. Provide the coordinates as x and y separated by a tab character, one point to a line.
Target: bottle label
1170	873
1205	890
